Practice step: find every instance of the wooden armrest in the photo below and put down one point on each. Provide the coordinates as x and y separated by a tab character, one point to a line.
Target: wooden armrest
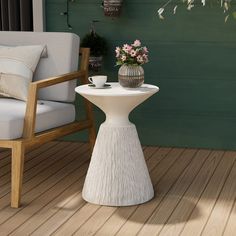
58	79
83	72
30	115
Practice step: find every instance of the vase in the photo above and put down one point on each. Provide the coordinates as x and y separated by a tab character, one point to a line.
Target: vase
130	76
112	7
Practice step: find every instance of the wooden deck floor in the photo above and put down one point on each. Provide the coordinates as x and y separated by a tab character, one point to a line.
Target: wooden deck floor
195	195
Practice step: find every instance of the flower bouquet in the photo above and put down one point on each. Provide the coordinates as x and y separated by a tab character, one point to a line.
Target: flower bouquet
134	54
131	58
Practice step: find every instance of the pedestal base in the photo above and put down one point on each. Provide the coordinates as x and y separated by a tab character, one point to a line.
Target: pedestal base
117	174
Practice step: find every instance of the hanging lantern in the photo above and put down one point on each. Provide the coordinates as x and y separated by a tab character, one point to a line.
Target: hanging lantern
112	7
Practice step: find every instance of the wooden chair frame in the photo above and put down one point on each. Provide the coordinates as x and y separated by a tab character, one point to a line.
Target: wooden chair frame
30	139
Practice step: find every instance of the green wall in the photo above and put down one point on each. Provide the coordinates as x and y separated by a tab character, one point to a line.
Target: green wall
192	60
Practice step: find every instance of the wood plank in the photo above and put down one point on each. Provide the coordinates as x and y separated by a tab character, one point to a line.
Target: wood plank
32	159
55	213
218	218
161	214
95	222
29	156
34	167
199	216
115	222
78	219
230	228
177	220
50	189
149	151
69	210
42	182
7	159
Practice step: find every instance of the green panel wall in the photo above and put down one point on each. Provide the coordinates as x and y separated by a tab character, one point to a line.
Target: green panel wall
192	60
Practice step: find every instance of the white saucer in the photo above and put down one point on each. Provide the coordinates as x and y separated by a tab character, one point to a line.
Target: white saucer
104	87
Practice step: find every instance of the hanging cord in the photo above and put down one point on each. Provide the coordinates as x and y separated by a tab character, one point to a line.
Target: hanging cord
92	27
67	14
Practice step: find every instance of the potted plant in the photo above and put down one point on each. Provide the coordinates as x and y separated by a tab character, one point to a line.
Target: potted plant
131	58
98	48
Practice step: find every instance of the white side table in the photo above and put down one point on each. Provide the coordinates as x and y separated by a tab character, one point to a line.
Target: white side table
117	174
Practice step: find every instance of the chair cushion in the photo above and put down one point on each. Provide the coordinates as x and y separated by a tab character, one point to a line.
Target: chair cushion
62	58
17	65
49	115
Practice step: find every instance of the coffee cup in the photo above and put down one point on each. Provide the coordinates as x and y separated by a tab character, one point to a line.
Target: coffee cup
98	80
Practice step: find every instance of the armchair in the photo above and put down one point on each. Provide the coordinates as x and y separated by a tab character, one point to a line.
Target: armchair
25	125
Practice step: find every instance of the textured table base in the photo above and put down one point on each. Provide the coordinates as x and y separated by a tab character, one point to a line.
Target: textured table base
117	175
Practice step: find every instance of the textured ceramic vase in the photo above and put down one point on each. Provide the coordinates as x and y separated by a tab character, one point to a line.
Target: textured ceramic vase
131	76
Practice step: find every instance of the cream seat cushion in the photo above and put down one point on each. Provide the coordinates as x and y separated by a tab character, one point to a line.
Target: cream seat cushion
17	66
49	115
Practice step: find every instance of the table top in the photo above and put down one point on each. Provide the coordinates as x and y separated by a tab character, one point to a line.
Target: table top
117	90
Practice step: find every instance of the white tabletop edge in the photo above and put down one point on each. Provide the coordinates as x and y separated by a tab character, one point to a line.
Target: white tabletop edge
117	90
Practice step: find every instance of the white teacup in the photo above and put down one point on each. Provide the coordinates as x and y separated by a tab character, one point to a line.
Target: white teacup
98	80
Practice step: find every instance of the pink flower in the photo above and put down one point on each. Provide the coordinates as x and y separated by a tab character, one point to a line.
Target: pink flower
117	49
127	48
145	49
139	59
145	58
133	53
136	43
123	58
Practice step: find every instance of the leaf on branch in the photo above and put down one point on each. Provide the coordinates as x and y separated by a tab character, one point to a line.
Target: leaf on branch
174	10
160	11
226	6
190	6
226	18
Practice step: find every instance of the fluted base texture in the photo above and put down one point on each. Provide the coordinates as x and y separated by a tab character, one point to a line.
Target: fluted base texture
117	175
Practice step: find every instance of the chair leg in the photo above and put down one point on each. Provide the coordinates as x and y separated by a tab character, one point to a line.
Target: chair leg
17	173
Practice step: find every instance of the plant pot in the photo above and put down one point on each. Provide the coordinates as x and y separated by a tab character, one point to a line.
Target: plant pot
131	76
112	7
95	63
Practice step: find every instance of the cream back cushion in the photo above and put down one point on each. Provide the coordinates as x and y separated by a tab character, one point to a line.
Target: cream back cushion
62	58
17	65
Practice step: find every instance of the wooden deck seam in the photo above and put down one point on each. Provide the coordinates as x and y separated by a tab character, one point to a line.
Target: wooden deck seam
218	196
20	209
54	197
26	161
194	178
46	167
223	186
231	210
201	194
185	169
